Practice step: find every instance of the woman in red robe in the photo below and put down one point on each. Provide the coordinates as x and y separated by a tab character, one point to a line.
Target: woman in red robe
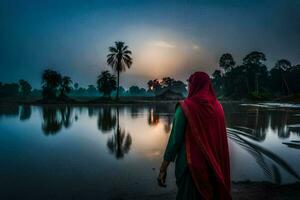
198	142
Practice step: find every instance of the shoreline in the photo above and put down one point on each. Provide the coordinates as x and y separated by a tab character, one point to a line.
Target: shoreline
124	101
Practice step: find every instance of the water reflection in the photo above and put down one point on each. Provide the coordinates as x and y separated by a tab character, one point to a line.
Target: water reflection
25	113
294	144
257	122
260	154
269	137
9	110
119	144
162	112
54	118
107	119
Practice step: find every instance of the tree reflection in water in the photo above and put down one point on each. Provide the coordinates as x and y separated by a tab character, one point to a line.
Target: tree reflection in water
25	113
54	118
9	110
257	121
106	119
119	144
161	113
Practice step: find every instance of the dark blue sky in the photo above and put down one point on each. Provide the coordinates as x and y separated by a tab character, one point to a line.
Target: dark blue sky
168	38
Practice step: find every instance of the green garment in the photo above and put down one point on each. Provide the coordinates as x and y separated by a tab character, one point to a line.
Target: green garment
176	150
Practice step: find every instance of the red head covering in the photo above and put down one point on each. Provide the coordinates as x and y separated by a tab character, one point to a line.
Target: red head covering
206	139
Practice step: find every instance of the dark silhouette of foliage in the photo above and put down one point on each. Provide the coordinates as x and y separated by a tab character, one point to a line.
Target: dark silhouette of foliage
25	87
167	84
52	123
55	118
154	85
279	75
25	113
92	90
65	85
136	91
257	73
106	120
119	58
217	82
76	86
106	83
9	90
53	82
119	144
226	62
50	82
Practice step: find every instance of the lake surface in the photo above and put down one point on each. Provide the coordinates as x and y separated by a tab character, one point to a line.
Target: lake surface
109	152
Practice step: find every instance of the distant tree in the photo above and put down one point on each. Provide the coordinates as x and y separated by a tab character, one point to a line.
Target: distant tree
154	85
257	73
293	79
65	85
226	62
106	83
278	76
217	81
179	87
91	90
9	90
25	87
50	83
134	90
167	82
254	58
76	86
119	58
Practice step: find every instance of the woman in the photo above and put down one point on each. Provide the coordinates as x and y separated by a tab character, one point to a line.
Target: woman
198	141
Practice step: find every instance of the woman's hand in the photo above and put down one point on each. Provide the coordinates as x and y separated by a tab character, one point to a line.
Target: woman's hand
161	179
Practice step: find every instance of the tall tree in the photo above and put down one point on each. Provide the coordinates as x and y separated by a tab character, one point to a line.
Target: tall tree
65	85
256	70
106	83
217	82
282	67
50	83
25	87
119	58
76	86
226	62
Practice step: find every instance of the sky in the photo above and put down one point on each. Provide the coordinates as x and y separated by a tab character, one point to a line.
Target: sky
168	37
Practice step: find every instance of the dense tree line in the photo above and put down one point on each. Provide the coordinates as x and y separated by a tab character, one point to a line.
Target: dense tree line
167	83
20	89
253	80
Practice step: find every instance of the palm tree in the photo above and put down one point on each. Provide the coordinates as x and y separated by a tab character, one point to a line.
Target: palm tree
65	85
106	83
119	58
50	82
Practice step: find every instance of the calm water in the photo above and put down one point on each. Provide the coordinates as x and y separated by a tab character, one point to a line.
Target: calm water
112	152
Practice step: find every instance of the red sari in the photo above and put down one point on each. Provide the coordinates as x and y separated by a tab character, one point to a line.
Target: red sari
206	139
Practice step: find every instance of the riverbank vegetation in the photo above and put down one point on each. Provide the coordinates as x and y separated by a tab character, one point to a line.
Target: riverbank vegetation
254	80
250	80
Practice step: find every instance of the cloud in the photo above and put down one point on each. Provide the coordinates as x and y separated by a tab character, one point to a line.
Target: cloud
162	44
